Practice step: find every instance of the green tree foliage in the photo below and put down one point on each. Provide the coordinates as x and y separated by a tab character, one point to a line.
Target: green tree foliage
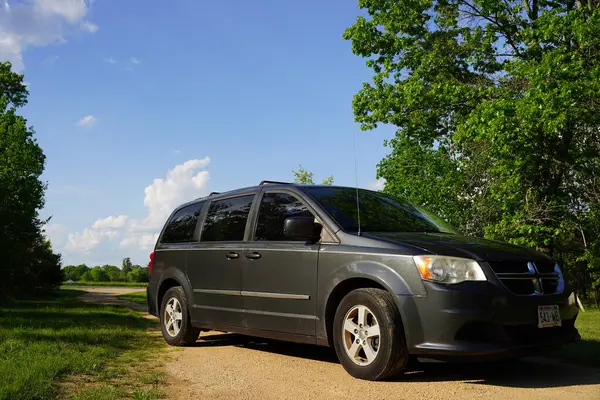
497	105
75	272
302	176
28	263
107	273
126	265
87	276
138	274
113	272
99	274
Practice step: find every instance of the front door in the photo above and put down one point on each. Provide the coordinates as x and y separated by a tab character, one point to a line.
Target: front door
279	278
215	263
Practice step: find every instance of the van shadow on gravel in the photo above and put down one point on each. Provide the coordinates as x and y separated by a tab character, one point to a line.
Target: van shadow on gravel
527	373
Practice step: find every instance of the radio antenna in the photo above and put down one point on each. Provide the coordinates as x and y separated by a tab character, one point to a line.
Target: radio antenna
356	173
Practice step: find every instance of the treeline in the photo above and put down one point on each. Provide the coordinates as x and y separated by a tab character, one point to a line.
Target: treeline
107	273
28	263
497	119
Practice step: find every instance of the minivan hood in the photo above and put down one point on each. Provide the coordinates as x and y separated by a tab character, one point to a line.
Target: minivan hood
460	246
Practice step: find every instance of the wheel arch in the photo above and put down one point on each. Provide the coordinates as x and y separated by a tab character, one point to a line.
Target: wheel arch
171	279
336	296
362	274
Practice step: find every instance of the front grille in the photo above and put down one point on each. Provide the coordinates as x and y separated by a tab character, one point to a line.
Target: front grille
519	286
544	267
526	278
509	267
549	285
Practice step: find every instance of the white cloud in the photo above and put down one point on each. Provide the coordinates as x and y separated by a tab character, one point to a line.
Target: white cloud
71	10
145	242
88	120
377	184
111	234
184	182
84	242
88	26
37	23
56	233
110	222
134	60
110	60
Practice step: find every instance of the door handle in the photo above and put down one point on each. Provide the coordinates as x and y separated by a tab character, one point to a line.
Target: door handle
253	256
232	255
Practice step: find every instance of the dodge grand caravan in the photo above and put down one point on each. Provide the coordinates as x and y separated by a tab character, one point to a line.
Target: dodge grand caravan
376	277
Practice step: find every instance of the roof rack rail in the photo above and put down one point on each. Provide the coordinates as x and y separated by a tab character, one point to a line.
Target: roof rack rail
273	183
213	193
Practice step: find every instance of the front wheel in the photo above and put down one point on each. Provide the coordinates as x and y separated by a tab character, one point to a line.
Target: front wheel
369	336
175	319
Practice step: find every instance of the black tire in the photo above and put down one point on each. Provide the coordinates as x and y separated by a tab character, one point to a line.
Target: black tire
187	334
392	354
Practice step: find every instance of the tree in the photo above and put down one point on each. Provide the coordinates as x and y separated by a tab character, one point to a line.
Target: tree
497	109
42	271
87	276
138	274
99	275
25	253
81	269
70	273
302	176
113	273
126	265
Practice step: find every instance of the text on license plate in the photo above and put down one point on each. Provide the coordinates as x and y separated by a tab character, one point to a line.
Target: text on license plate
548	316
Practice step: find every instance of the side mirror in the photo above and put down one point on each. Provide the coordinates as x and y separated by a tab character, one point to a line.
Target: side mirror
302	228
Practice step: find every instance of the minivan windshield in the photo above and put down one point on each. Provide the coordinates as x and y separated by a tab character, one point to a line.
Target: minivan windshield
379	212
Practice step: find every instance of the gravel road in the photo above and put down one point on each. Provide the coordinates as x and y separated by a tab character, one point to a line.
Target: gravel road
228	366
108	295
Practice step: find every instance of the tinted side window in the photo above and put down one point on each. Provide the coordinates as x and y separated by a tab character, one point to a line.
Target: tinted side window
274	209
180	229
226	219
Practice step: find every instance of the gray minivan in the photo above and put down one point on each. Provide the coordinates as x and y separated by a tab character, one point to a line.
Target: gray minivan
379	279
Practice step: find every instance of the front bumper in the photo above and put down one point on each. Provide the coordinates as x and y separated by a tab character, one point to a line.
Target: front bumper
475	319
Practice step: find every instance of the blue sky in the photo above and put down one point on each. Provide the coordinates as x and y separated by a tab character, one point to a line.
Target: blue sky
222	94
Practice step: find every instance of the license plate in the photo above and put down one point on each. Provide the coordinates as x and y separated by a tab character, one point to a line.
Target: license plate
548	316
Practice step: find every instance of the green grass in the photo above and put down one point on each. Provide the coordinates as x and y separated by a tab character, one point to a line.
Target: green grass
137	297
587	350
126	284
62	347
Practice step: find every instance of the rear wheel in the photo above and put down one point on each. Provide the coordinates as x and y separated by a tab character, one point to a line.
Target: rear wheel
175	319
369	336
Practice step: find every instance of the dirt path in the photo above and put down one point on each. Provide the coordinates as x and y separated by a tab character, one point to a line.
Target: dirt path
227	366
109	295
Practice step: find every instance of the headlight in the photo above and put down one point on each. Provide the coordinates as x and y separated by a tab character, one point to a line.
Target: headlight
448	269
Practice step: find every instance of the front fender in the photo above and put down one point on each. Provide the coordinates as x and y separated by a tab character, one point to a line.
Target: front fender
396	273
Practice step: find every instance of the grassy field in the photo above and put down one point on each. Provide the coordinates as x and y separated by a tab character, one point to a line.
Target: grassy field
61	347
587	350
126	284
138	297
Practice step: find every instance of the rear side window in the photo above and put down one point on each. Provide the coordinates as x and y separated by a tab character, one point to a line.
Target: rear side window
274	209
226	219
180	229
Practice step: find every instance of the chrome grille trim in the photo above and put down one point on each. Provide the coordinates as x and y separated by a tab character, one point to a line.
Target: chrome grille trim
538	280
